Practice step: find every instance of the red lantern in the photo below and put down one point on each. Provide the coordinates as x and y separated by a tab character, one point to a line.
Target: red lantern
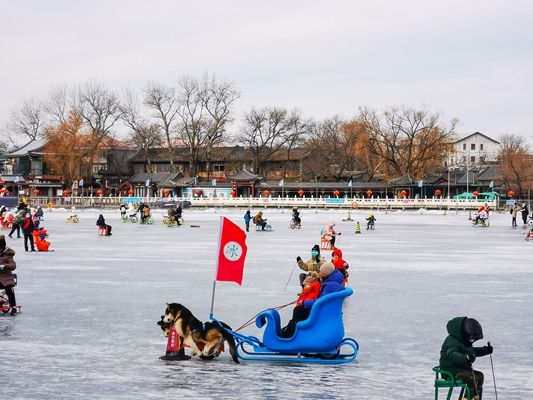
130	192
438	192
100	192
475	193
336	193
36	192
369	193
403	193
3	190
166	192
511	193
233	193
66	192
197	192
266	193
301	192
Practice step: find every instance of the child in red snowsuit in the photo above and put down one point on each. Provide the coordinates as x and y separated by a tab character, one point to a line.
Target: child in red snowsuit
311	288
340	263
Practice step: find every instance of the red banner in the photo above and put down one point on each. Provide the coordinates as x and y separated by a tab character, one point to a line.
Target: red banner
231	253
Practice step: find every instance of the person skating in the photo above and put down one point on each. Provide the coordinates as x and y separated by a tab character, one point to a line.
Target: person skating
296	217
15	225
313	264
247	219
40	213
7	266
370	222
123	210
514	213
146	214
457	353
525	212
140	210
330	234
179	212
27	229
101	223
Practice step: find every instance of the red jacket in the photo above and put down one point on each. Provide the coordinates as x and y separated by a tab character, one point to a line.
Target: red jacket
311	292
339	263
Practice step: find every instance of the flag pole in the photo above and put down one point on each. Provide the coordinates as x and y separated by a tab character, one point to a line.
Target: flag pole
213	299
211	316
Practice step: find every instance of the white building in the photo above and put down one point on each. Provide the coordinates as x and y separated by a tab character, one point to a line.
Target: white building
476	148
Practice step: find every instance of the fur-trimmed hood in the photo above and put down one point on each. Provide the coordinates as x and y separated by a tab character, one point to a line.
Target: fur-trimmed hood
8	252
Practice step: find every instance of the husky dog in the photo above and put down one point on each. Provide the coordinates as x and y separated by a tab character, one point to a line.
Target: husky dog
165	326
195	333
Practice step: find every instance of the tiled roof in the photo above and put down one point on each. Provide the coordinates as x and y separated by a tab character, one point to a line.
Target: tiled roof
30	147
141	177
477	133
244	175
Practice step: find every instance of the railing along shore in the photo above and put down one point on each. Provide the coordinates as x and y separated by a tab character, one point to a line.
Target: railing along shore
271	202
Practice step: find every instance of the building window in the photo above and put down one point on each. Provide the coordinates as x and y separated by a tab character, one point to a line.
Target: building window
472	146
162	167
473	158
96	168
464	146
481	147
218	167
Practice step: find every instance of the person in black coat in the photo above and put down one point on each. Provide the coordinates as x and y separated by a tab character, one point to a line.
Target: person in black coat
525	213
3	244
27	229
101	223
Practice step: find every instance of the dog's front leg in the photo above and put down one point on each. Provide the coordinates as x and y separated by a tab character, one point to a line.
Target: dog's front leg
195	351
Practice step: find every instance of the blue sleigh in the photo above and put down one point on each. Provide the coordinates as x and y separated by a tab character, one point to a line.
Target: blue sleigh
318	339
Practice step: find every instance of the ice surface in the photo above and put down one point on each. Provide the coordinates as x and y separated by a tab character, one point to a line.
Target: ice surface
88	323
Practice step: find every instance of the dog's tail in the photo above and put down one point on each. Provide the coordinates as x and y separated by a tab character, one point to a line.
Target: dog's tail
231	342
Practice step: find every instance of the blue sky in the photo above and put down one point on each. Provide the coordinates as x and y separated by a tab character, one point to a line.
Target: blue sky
467	60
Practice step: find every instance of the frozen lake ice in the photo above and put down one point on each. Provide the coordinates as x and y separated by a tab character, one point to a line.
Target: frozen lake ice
89	309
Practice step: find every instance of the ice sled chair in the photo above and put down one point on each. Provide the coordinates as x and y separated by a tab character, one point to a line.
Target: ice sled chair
318	339
325	243
268	227
4	302
444	379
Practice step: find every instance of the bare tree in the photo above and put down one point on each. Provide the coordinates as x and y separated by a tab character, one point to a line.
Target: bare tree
515	164
99	107
406	140
59	104
299	130
218	99
27	121
332	153
265	131
193	122
145	136
164	103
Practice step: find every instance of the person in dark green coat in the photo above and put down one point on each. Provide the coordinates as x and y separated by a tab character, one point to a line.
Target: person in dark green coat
457	353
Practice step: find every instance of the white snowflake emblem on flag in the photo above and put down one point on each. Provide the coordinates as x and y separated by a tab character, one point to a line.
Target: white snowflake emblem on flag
232	251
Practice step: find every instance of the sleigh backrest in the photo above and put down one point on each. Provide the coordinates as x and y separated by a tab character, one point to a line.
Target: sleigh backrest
327	312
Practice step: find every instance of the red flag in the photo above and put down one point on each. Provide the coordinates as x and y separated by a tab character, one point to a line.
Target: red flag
231	252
